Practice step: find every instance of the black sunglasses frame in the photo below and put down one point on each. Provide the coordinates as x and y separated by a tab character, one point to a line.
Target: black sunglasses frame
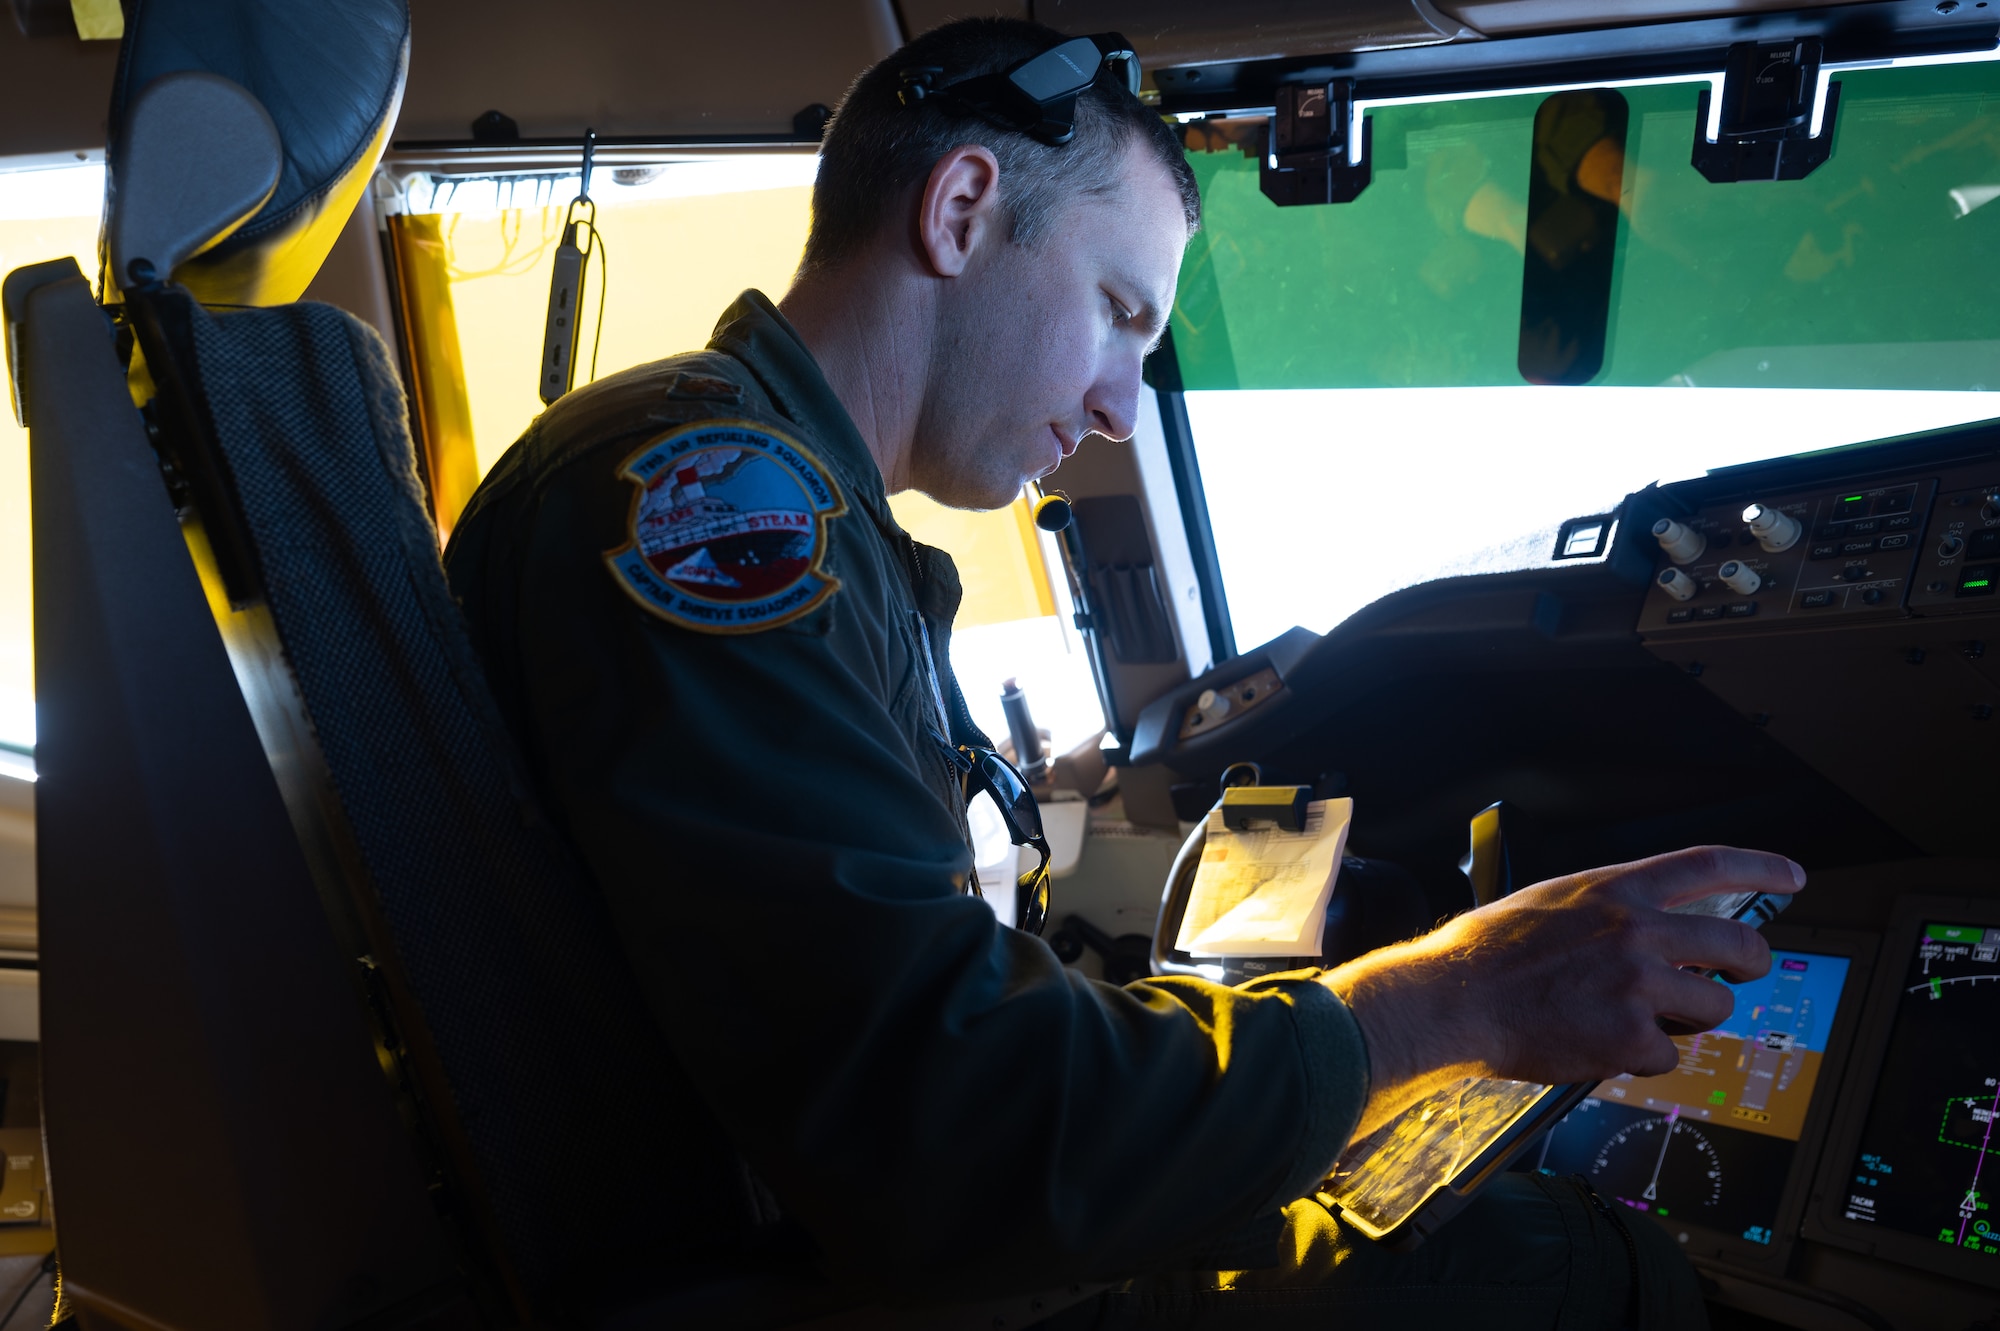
1036	97
983	770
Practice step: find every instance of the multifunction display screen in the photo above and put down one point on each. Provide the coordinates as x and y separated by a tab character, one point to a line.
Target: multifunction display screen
1712	1142
1929	1160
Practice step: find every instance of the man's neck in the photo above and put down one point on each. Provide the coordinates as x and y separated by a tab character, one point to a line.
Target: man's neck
870	330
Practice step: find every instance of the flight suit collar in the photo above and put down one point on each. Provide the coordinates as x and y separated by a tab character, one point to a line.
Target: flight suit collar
755	333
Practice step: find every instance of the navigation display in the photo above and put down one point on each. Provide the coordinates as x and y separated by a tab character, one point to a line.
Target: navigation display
1711	1143
1928	1164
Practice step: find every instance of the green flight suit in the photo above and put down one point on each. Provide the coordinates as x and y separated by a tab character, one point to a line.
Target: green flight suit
782	843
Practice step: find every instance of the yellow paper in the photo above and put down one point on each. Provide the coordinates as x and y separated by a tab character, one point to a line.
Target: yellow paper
98	20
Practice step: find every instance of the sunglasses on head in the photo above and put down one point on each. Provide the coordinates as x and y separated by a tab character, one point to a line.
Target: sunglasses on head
983	770
1036	97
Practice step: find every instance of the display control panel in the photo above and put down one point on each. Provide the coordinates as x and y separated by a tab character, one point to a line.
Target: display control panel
1889	547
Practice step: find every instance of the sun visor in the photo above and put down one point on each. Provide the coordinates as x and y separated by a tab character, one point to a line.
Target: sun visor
330	76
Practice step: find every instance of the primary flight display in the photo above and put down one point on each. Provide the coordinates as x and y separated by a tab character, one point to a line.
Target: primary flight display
1712	1142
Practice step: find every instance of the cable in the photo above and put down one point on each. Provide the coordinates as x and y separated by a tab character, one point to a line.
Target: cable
603	291
48	1265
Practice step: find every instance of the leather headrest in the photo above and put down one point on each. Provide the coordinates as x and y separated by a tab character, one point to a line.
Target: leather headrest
330	75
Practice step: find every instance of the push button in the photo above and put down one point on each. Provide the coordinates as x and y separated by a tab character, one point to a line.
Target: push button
1871	524
1708	612
1896	501
1825	550
1871	595
1983	544
1850	506
1740	609
1976	581
1896	542
1903	523
1681	615
1856	547
1815	600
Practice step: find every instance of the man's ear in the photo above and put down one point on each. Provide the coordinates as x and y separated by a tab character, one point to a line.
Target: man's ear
960	207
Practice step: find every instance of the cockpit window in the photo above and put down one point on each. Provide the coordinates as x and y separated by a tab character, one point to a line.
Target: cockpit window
1356	394
682	239
48	209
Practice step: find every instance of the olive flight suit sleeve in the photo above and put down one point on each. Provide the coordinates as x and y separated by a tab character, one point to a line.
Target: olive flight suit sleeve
931	1095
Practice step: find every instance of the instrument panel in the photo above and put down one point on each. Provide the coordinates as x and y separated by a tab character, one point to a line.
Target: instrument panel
1791	655
1865	550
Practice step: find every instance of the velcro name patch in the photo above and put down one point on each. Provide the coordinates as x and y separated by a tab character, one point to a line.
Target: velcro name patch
727	532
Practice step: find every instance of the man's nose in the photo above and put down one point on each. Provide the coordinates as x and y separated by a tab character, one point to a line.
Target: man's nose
1112	404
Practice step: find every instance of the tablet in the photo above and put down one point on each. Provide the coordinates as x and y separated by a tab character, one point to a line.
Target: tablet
1405	1180
1721	1150
1912	1169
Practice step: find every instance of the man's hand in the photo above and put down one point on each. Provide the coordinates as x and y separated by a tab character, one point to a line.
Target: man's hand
1569	980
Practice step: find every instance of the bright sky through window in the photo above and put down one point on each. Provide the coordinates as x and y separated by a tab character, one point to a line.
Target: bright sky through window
1323	500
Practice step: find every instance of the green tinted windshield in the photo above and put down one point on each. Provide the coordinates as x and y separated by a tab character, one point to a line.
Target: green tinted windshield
1876	271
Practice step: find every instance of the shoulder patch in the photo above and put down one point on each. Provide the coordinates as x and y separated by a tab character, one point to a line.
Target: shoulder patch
727	530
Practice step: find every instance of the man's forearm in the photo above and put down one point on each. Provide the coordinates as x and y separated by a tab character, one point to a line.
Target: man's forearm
1416	1044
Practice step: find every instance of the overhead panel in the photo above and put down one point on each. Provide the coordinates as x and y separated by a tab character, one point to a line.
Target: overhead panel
1188	32
1514	18
922	15
633	69
53	91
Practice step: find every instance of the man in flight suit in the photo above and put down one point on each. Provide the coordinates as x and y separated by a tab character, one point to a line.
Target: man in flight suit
730	670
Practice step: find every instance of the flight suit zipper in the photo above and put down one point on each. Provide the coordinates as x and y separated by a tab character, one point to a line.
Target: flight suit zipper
956	716
945	713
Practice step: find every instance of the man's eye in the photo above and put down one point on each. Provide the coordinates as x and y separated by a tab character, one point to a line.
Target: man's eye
1119	314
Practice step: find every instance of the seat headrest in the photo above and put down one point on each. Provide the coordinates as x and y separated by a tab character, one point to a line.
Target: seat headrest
329	73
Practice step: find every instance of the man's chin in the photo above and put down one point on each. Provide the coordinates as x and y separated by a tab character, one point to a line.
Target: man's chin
969	494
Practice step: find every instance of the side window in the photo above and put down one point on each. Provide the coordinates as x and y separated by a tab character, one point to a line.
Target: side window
473	257
47	211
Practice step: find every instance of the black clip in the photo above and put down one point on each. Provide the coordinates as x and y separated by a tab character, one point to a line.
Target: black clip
917	82
1283	805
1765	128
1307	159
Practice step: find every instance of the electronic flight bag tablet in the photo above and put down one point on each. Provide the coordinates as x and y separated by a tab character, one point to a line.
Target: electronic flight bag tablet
1402	1182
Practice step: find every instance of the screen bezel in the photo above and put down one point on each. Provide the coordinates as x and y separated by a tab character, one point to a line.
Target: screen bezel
1858	949
1823	1221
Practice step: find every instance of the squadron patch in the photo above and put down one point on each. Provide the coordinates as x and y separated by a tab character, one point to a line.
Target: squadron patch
727	532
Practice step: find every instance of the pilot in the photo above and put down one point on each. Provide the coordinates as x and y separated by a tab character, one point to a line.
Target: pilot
730	671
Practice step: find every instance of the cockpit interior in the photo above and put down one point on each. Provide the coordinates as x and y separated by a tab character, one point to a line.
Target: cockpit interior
1574	439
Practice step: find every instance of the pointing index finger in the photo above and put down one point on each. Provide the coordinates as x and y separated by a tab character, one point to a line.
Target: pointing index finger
1682	876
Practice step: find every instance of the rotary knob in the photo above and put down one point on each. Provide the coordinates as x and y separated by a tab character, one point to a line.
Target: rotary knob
1774	531
1678	584
1212	705
1682	543
1990	509
1739	577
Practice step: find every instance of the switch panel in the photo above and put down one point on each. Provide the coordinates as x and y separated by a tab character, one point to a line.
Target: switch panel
1780	560
1959	564
1217	707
